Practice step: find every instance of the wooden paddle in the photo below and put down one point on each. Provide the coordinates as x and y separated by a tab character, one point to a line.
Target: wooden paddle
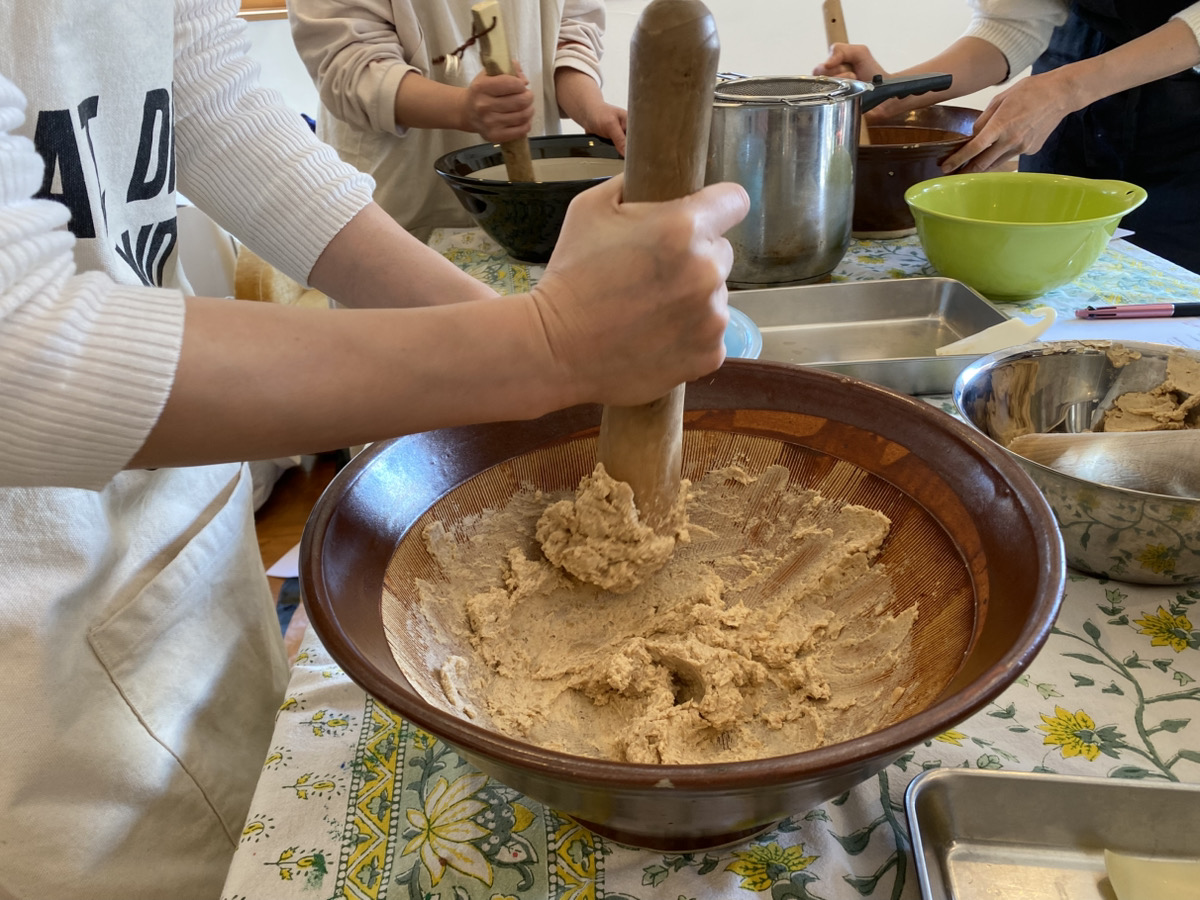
672	75
497	60
1161	462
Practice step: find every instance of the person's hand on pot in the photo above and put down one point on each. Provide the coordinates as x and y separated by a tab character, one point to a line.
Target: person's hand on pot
579	96
856	61
633	301
850	61
499	107
1017	120
607	121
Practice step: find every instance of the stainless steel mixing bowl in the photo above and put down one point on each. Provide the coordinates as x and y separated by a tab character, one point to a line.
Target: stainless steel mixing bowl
1124	534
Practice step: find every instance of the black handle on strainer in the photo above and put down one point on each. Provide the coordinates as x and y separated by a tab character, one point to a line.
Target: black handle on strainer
904	86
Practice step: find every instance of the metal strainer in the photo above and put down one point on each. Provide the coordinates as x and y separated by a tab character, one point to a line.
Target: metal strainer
792	90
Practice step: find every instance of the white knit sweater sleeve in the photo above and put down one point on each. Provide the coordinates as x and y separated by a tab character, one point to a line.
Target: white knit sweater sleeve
358	52
244	157
1020	29
1191	17
85	363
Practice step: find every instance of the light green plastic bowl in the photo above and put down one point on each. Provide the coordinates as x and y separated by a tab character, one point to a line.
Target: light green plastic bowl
1016	235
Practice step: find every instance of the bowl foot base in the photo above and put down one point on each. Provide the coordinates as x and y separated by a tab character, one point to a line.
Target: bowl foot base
673	844
885	235
825	278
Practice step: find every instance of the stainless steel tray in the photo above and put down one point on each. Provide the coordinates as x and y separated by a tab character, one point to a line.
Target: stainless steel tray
980	834
885	332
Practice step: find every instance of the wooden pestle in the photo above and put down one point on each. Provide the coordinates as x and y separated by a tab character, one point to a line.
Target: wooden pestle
835	33
672	76
497	60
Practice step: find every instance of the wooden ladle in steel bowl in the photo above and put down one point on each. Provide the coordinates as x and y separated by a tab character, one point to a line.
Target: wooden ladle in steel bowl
1157	462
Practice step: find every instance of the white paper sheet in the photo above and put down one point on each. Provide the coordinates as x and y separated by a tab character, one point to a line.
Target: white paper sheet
288	565
1182	332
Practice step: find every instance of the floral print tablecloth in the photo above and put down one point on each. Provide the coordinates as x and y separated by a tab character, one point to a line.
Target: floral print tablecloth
1124	273
355	802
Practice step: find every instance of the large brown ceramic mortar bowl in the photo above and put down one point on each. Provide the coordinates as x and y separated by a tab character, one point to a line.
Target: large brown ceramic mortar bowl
904	150
973	545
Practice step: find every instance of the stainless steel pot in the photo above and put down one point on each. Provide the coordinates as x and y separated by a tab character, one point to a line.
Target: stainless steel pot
791	143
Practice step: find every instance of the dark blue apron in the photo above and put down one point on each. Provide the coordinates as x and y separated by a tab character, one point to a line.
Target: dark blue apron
1149	135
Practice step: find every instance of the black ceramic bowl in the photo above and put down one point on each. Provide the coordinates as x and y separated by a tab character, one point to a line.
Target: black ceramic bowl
523	217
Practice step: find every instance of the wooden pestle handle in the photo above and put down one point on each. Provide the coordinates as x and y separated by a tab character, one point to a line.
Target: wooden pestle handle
497	60
672	75
835	33
835	23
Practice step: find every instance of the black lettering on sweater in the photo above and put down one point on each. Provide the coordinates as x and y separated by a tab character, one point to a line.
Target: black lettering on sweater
54	137
145	248
149	253
88	110
154	149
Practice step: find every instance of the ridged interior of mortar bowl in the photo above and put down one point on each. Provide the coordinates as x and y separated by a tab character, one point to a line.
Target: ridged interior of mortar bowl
974	538
918	553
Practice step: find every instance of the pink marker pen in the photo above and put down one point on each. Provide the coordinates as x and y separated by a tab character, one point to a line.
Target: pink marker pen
1139	311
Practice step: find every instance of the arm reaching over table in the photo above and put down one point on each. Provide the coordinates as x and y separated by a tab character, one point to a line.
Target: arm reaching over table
632	302
1113	93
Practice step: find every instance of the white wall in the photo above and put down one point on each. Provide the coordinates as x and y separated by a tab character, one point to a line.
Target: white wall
271	44
758	37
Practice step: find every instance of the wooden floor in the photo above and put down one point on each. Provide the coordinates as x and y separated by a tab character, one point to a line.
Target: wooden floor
280	523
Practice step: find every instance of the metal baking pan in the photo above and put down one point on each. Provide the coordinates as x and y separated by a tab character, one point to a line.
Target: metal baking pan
981	834
885	331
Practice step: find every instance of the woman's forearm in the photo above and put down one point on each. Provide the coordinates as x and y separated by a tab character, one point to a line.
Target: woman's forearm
283	380
1168	49
974	64
424	103
373	262
576	92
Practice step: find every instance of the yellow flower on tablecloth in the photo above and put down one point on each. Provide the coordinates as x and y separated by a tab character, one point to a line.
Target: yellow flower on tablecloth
310	865
522	817
445	830
951	737
1181	513
1158	558
1166	630
762	866
463	257
1074	733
